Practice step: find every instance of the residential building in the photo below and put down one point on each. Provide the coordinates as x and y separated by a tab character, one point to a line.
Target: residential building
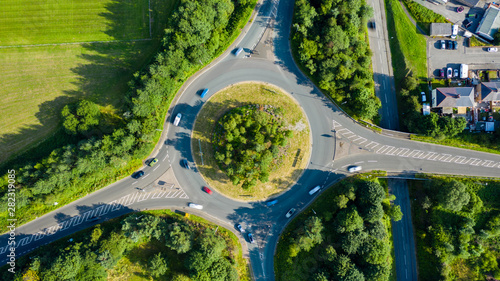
459	98
489	23
440	29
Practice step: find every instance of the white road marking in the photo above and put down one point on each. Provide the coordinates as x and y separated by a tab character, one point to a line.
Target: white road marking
134	182
372	161
446	157
146	176
156	167
359	162
403	152
375	144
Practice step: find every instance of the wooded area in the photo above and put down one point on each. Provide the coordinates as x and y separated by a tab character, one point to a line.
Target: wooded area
345	239
247	141
330	42
164	247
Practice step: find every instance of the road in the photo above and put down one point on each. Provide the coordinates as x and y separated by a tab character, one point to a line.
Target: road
168	185
382	67
402	234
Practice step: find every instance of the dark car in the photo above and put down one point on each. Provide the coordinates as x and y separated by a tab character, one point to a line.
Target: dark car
371	24
250	238
185	164
450	45
94	218
455	45
467	23
138	175
207	190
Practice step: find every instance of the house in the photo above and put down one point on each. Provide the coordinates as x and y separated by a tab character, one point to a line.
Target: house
440	29
447	99
470	3
490	92
489	23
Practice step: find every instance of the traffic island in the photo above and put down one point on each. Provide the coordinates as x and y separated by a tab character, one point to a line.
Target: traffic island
290	154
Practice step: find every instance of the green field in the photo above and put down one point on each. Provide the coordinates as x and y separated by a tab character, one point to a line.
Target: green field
26	22
37	81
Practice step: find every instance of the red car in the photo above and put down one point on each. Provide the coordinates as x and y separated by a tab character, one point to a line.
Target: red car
207	190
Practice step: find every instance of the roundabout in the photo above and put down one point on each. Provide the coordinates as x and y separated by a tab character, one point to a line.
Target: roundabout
289	161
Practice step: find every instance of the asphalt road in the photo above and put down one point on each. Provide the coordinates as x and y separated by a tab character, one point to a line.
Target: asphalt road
382	67
402	234
168	185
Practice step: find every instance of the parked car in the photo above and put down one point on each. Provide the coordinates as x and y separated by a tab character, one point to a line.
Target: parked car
455	45
138	174
185	164
441	73
492	50
240	228
467	23
354	169
424	98
272	202
449	73
207	190
450	44
153	162
371	24
460	9
250	238
455	72
290	212
443	44
195	206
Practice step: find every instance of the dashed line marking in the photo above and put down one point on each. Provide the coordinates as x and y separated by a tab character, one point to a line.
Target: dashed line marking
156	167
372	161
359	162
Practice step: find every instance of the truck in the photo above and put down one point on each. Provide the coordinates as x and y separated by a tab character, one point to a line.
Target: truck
454	31
464	71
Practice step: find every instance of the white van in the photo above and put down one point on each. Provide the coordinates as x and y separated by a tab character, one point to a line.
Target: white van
454	31
314	190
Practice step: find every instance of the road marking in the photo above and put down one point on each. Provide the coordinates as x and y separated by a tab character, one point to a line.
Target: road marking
364	140
345	165
359	162
156	167
165	157
372	161
488	162
433	158
386	99
446	157
146	176
374	143
403	152
134	182
460	160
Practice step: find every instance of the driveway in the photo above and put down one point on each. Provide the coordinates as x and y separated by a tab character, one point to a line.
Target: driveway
475	57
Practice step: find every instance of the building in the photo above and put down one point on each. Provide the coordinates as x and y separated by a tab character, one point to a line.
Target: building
440	29
489	92
470	3
447	99
489	23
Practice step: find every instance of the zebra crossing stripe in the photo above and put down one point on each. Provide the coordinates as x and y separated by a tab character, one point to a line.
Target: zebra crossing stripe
446	157
433	157
105	209
143	196
404	152
392	151
132	199
39	235
487	163
382	149
115	206
460	160
375	144
417	154
158	195
175	193
341	130
184	196
67	223
52	230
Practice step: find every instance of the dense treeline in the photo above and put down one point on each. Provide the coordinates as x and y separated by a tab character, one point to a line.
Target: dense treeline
164	247
197	31
330	41
345	239
429	125
457	229
246	141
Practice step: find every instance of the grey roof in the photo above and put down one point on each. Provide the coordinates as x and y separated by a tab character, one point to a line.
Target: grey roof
453	97
440	29
470	3
489	23
490	91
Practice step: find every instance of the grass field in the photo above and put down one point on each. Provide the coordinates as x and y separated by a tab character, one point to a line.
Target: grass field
37	81
26	22
281	177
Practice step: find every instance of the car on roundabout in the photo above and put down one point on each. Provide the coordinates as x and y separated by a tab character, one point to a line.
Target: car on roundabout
195	206
250	238
153	162
240	228
352	169
138	174
207	190
272	202
290	213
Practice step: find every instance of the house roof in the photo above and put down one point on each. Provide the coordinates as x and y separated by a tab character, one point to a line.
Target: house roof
470	3
490	91
440	29
453	97
489	23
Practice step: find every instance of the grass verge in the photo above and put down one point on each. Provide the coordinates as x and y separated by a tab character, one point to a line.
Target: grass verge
298	152
479	142
423	16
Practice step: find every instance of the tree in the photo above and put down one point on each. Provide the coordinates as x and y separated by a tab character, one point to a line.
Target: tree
158	265
371	192
453	195
375	251
351	241
80	118
178	239
348	220
372	213
395	213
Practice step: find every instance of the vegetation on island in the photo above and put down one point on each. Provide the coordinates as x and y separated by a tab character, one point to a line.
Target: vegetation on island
329	41
457	228
342	236
198	31
247	140
156	245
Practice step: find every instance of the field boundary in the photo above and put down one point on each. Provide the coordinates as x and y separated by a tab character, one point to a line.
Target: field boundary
76	43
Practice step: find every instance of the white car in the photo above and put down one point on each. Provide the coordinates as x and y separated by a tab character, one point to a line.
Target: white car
290	212
455	72
195	206
177	119
492	50
354	169
449	72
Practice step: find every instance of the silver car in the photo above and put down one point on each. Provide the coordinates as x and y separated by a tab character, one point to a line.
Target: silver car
290	212
195	206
